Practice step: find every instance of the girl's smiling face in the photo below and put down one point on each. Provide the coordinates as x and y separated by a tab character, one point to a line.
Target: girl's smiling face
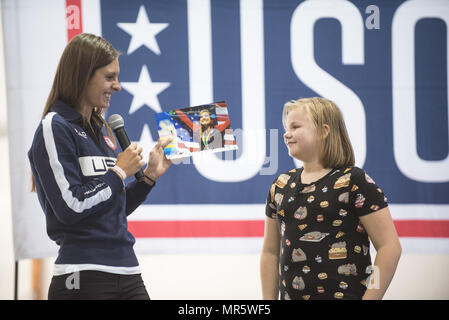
301	136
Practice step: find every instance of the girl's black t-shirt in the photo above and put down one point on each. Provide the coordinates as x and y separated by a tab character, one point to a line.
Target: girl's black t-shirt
324	247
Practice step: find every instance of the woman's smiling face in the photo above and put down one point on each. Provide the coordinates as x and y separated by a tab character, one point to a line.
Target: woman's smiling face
101	86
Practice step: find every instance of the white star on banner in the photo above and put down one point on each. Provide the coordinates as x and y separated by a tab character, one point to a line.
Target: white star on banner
143	32
145	91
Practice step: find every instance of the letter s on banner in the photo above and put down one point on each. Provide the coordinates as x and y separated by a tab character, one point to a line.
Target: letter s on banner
307	70
404	106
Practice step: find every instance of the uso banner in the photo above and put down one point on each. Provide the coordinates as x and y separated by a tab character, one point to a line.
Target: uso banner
385	64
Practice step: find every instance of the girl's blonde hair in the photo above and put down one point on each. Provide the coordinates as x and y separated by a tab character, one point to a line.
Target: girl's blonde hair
335	149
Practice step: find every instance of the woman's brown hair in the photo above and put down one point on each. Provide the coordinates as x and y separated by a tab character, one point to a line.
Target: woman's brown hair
335	149
82	56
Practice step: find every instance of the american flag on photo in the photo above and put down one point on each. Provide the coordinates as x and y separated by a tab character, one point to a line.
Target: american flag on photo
186	143
256	55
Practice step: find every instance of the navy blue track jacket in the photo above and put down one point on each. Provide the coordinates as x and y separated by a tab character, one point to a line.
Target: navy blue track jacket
85	203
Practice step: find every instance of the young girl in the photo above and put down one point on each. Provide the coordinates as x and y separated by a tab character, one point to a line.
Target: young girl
320	217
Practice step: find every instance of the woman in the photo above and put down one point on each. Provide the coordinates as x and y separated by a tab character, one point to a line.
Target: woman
320	217
79	178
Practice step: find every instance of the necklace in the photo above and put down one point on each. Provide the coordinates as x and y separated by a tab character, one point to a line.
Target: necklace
205	137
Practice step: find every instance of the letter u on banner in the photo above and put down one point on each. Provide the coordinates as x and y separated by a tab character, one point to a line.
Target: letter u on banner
253	87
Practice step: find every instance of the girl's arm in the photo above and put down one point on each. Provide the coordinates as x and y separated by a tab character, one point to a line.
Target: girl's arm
269	261
380	228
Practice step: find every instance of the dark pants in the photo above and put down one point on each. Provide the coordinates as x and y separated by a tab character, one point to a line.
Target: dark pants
97	285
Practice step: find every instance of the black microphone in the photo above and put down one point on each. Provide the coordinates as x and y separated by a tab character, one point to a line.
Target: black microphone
117	124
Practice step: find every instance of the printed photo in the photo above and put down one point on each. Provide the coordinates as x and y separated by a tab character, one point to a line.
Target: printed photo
202	128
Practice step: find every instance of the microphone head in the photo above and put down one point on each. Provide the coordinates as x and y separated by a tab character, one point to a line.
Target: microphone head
115	121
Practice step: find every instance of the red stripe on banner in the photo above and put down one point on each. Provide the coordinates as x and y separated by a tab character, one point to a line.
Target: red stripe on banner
255	228
197	228
422	228
73	18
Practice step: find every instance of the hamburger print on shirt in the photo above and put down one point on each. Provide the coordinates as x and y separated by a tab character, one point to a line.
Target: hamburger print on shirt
324	247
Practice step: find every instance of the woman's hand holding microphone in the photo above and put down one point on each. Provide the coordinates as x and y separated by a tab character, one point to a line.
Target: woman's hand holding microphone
130	161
